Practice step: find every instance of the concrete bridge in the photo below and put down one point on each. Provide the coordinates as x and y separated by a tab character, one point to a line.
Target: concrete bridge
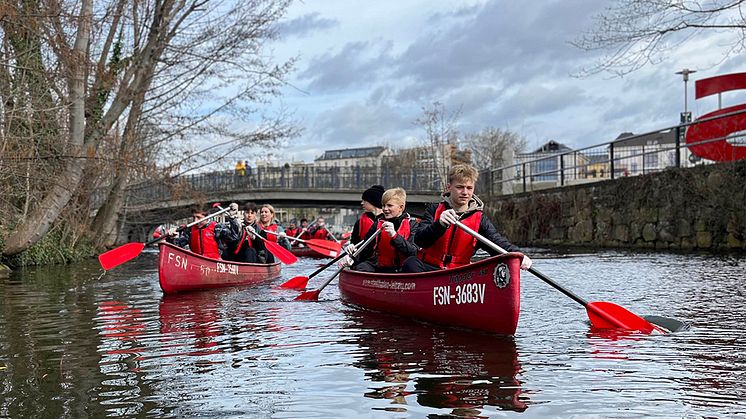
153	203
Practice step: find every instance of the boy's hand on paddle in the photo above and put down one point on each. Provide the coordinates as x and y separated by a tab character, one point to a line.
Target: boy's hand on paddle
350	248
252	233
526	263
448	217
388	227
233	210
345	262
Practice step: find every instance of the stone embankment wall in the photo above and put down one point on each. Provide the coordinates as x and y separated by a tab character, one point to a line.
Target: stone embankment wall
696	208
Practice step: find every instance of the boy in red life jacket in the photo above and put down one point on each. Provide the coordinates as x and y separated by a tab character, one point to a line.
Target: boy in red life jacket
292	230
304	235
371	203
240	244
203	238
445	245
318	231
396	242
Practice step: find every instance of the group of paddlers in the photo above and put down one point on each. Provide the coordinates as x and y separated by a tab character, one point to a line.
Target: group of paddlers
242	239
406	244
402	243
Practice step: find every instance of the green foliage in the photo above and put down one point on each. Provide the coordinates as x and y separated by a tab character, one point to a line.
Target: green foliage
52	249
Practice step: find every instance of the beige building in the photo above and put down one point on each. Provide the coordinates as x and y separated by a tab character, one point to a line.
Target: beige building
349	157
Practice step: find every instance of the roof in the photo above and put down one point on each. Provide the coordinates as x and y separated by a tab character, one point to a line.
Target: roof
352	153
663	137
552	147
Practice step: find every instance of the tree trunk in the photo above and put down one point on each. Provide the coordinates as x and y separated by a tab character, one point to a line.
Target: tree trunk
37	224
105	224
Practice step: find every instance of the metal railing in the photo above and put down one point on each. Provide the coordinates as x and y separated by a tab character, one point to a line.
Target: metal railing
300	178
610	160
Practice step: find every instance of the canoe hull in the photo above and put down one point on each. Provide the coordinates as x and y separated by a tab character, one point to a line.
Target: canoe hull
180	270
483	296
307	252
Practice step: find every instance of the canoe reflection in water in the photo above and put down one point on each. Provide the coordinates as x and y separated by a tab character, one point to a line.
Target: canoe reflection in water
441	367
191	322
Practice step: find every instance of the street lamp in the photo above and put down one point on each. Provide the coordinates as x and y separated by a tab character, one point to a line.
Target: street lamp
686	116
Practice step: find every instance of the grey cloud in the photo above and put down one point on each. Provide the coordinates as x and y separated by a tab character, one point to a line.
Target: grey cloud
304	25
354	65
360	125
539	100
504	41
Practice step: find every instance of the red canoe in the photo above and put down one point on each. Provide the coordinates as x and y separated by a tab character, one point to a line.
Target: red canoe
180	270
484	295
307	252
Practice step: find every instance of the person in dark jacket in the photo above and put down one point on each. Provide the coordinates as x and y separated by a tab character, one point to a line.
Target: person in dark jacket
395	243
241	245
445	245
371	203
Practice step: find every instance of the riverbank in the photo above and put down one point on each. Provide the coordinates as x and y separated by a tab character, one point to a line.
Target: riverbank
53	249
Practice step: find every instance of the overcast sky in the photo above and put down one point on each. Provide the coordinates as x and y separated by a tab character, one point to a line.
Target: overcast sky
365	70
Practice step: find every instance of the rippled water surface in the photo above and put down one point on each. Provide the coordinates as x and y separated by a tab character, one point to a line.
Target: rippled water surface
74	345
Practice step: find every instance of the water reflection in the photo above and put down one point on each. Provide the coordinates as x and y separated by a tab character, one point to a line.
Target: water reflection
189	324
441	367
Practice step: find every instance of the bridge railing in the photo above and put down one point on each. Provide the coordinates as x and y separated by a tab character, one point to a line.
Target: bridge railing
305	178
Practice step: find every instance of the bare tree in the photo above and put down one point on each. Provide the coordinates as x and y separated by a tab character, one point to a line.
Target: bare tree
492	147
148	63
441	136
638	32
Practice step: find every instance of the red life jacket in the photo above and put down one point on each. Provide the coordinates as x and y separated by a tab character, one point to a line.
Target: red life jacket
292	232
202	241
455	247
321	234
271	237
387	254
365	224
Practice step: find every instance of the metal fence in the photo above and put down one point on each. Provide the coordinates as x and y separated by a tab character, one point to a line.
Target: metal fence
628	156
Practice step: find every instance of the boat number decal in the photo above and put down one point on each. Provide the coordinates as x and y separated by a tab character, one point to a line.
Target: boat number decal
464	294
223	268
176	260
501	275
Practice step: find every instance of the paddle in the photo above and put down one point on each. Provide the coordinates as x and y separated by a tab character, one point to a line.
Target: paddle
129	251
300	282
275	248
602	314
325	247
313	295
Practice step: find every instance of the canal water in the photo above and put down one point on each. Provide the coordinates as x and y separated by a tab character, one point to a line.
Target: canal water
76	345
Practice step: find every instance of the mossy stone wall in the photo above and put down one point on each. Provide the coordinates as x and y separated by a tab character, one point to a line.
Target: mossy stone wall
694	208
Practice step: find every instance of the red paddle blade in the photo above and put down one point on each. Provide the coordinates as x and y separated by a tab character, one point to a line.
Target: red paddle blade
325	247
281	253
296	283
119	255
308	296
605	315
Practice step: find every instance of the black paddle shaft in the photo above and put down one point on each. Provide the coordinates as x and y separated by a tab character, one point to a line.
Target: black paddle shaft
532	270
318	271
558	287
